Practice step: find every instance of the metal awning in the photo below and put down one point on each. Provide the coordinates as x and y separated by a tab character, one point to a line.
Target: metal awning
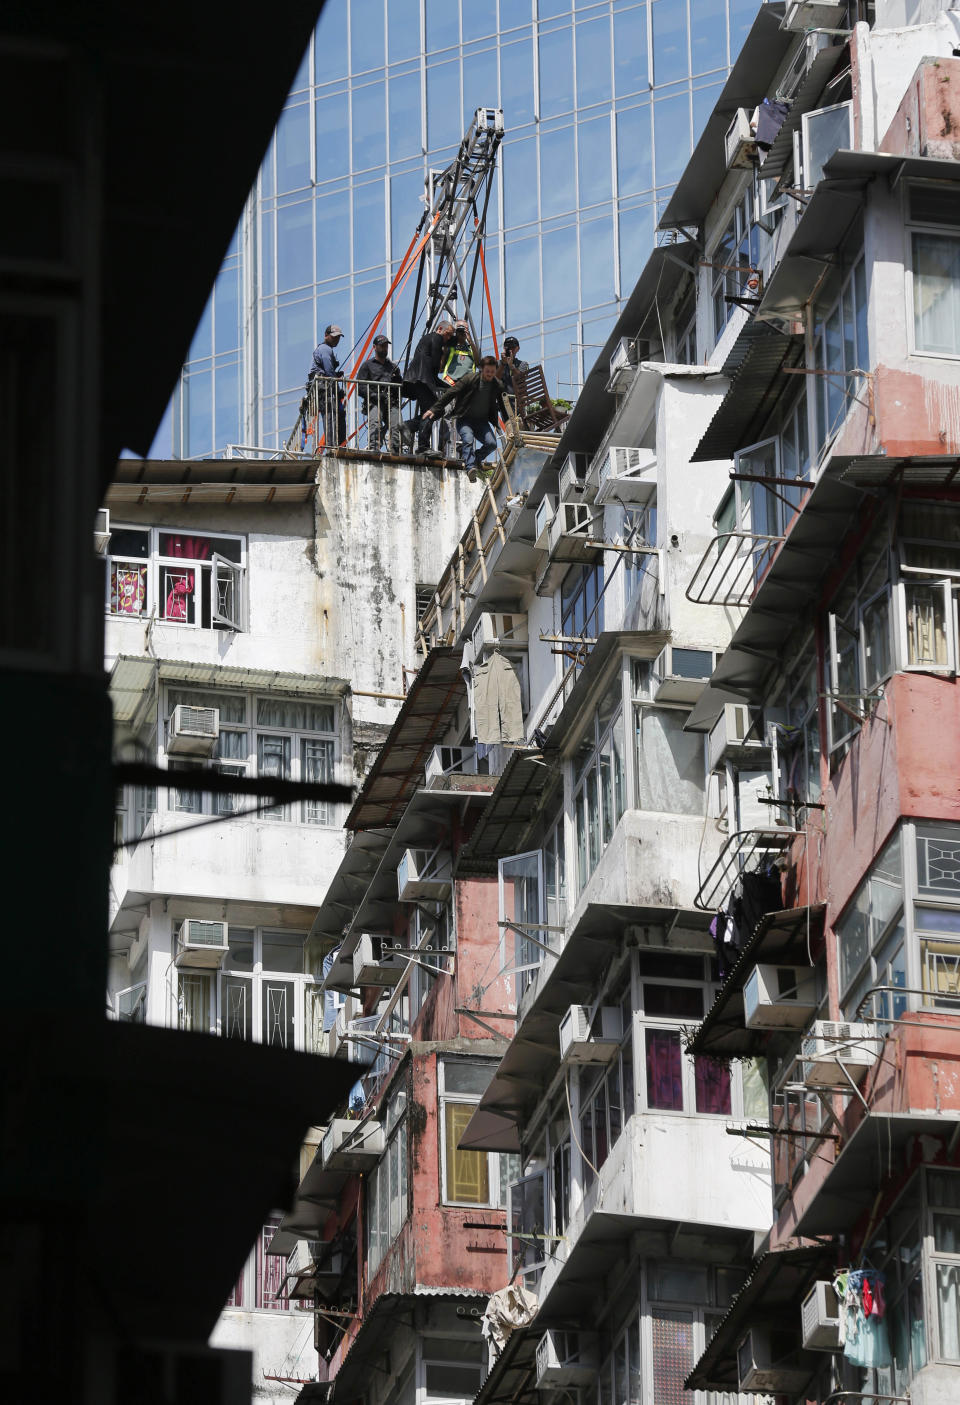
225	482
512	1376
810	266
763	51
358	865
771	1297
421	724
804	100
794	579
533	1057
641	643
653	291
133	676
894	168
858	1174
522	792
784	938
757	367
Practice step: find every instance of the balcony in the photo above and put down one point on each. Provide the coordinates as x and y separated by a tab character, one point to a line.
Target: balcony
749	850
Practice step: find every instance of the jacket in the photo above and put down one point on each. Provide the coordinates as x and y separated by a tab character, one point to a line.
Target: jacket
475	399
427	359
387	372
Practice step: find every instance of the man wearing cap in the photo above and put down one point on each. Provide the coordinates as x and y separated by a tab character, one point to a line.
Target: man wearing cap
378	386
326	372
511	365
423	382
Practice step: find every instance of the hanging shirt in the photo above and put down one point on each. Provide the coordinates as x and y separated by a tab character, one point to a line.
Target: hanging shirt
496	700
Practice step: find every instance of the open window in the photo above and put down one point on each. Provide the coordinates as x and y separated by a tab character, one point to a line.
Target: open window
926	624
823	132
521	901
227	597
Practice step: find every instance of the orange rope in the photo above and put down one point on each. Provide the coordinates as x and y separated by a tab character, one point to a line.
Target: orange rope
486	289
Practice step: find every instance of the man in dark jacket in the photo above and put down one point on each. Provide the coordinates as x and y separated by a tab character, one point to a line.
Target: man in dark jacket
378	386
477	402
423	382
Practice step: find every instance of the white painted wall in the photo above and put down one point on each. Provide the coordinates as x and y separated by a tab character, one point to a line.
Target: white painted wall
282	1345
653	860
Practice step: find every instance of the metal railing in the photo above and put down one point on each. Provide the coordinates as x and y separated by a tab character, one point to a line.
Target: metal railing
745	850
731	568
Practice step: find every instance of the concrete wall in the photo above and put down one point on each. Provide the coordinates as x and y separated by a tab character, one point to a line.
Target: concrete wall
282	1345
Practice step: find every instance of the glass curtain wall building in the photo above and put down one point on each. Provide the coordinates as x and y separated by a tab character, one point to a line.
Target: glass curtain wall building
602	104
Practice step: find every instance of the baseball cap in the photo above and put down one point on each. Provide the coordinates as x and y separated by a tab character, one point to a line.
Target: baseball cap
333	331
510	341
381	340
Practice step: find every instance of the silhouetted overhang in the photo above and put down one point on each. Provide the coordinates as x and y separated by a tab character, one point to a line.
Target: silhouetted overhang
810	268
667	265
421	724
781	938
512	1377
133	677
840	499
532	1059
523	791
162	1101
758	366
179	121
221	482
771	1297
763	51
360	862
390	1313
859	1174
805	99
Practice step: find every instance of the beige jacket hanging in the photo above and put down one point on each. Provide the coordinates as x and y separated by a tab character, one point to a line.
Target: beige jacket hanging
496	701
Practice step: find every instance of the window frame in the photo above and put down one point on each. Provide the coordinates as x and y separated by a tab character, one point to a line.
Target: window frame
213	984
495	1172
393	1162
912	227
154	564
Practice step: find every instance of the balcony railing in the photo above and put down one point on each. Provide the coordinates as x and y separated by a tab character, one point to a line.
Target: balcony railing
745	851
731	568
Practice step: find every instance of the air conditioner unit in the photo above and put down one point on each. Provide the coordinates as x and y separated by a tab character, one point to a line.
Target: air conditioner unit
737	735
766	1361
572	517
573	479
369	968
303	1256
779	997
680	675
820	1318
623	365
566	1359
802	15
101	530
739	144
833	1046
544	515
450	761
579	1045
351	1146
507	628
415	884
193	731
201	942
627	475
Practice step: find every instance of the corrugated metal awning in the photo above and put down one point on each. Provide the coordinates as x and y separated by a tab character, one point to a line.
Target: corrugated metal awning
804	100
222	481
784	938
421	724
133	676
756	366
521	792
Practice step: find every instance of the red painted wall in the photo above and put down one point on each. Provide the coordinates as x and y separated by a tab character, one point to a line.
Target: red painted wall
477	983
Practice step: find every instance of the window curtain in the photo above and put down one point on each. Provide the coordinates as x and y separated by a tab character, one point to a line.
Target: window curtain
189	548
712	1080
670	766
664	1070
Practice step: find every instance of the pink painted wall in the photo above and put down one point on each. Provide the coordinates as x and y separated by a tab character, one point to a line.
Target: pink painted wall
927	122
477	983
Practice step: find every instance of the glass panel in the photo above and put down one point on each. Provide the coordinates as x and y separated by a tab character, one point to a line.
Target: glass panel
926	626
468	1179
671	120
520	182
293	148
672	1341
557	165
468	1078
712	1080
825	132
630	50
593	62
236	1015
560	271
333	138
443	104
403	31
405	139
366	34
634	145
443	24
938	859
593	141
556	73
283	951
516	83
681	1002
669	41
277	1013
948	1310
708	36
239	955
664	1070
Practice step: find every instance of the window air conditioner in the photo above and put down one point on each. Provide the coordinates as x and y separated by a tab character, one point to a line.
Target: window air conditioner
450	760
351	1146
739	144
371	968
802	15
201	942
766	1361
193	731
583	1041
573	479
623	365
680	675
544	515
572	517
504	627
416	882
835	1045
565	1359
627	475
737	734
101	530
779	997
820	1319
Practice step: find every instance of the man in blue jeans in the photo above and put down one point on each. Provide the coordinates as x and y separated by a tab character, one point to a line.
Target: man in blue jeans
477	402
